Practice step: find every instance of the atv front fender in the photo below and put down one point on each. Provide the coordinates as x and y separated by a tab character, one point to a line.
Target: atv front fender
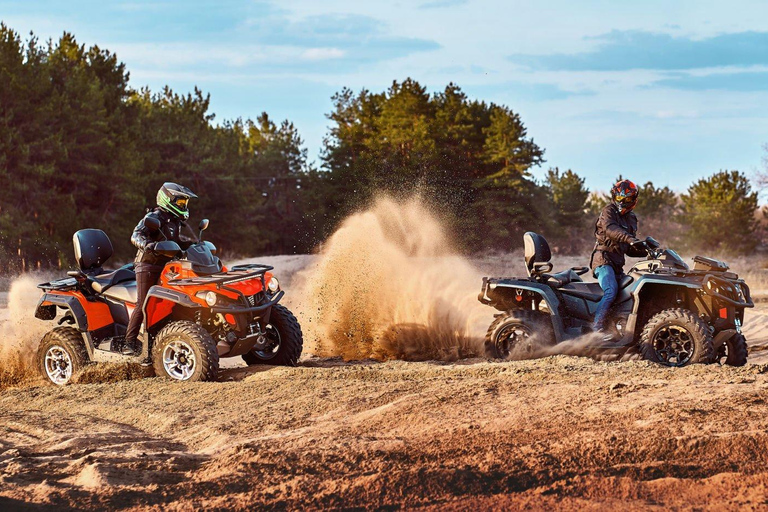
646	287
502	293
160	302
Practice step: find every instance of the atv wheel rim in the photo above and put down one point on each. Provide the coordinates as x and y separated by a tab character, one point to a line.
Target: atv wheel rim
673	345
58	365
514	337
179	360
272	347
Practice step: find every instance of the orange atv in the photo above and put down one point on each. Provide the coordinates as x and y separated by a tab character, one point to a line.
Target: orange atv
198	312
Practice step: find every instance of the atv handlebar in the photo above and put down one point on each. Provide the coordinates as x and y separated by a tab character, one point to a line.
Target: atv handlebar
650	245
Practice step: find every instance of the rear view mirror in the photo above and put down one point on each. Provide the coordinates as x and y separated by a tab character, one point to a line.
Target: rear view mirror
152	223
202	226
168	248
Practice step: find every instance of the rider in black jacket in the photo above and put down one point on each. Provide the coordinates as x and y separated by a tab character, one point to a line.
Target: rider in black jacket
616	235
172	212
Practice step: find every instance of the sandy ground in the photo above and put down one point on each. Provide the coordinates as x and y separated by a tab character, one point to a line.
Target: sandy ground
559	432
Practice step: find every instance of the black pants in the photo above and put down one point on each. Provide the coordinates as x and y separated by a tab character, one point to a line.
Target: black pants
145	279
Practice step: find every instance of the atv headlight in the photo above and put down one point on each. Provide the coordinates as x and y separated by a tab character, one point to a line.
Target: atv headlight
211	298
273	285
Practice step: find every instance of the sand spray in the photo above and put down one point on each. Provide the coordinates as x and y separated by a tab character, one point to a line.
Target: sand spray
20	331
390	284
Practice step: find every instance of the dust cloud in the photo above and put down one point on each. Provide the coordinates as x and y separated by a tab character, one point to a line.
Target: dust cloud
389	284
20	331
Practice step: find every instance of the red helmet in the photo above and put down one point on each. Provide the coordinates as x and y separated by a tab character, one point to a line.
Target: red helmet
624	196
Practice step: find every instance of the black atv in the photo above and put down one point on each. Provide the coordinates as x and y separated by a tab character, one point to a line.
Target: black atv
672	314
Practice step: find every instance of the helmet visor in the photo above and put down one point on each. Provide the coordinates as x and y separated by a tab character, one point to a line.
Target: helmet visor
626	203
181	203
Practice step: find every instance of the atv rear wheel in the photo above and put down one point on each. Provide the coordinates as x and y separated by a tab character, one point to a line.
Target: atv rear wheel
61	354
676	337
518	334
285	340
185	351
733	351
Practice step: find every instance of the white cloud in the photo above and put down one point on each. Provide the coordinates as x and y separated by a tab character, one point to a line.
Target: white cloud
322	53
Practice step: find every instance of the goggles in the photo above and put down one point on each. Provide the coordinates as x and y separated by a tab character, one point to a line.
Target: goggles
181	202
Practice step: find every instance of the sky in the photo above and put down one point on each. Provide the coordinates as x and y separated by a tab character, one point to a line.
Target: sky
668	91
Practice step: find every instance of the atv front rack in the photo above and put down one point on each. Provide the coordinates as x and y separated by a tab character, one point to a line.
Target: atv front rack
737	289
234	275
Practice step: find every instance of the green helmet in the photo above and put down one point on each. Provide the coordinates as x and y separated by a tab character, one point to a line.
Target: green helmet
174	199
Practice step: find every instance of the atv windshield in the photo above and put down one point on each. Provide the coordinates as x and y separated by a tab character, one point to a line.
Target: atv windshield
670	258
202	258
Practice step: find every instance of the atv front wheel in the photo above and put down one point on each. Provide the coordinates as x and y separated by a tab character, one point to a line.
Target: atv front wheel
676	337
519	334
284	340
185	351
733	351
61	354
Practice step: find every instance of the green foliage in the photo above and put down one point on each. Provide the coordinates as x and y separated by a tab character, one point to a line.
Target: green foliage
657	210
570	201
80	148
719	214
466	156
656	201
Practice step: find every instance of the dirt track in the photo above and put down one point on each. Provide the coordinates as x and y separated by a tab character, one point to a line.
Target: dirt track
561	431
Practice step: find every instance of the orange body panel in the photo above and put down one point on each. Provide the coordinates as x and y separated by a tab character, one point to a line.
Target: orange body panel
157	309
97	313
175	270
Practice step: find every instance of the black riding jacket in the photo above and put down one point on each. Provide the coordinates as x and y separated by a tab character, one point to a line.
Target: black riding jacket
170	229
614	233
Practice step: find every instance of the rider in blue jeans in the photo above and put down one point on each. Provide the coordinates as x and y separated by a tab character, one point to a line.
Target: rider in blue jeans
615	231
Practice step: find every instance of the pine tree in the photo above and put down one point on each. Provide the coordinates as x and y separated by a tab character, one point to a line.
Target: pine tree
719	214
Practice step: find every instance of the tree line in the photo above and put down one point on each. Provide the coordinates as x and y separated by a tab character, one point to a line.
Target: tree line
80	148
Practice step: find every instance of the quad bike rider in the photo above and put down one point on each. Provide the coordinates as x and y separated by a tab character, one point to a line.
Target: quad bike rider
615	234
172	212
671	313
197	312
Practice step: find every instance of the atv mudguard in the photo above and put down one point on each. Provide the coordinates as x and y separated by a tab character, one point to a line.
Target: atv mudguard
79	310
490	287
159	303
644	285
46	309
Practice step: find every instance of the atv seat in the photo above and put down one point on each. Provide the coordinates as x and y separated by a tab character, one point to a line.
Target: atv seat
560	279
537	256
592	291
102	282
124	292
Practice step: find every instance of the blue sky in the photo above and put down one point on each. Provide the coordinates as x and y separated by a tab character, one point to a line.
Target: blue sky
668	91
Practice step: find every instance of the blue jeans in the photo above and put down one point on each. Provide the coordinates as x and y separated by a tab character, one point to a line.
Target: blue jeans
606	276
